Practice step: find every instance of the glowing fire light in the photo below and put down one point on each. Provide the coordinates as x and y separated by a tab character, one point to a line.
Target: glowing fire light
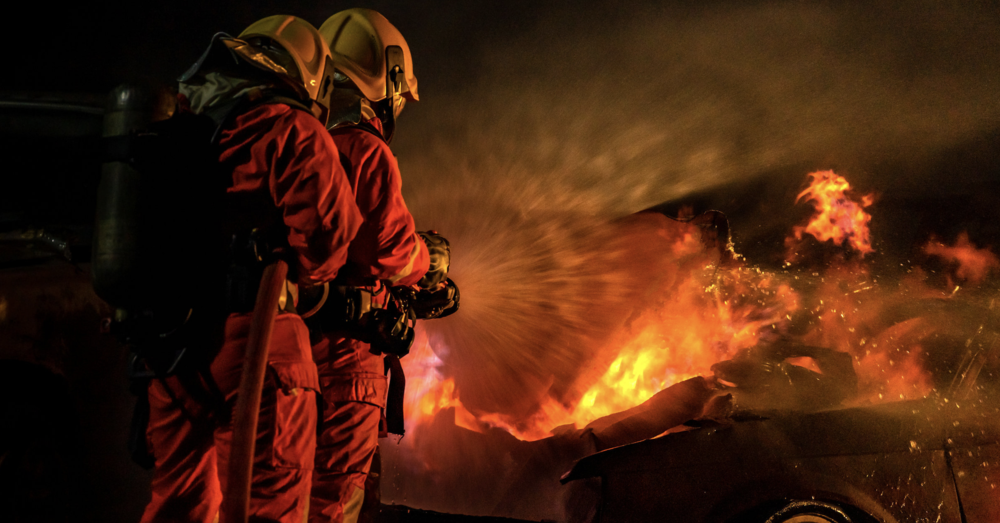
710	313
427	391
837	217
973	264
701	324
707	318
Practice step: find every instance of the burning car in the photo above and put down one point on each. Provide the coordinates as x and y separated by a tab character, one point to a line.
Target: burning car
837	384
935	459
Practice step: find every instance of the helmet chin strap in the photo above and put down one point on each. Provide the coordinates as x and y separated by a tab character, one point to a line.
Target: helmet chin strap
322	105
395	81
385	113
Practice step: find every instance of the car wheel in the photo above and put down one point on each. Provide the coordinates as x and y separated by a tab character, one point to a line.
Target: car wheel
809	512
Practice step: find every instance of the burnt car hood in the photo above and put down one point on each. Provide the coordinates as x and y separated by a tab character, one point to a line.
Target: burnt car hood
915	425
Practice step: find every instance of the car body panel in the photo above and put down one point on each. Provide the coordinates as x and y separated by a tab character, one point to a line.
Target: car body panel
889	460
974	454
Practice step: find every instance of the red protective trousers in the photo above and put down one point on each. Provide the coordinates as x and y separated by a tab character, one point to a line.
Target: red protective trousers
352	379
191	442
285	155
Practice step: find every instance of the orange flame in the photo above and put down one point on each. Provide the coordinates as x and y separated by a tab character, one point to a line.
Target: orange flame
707	319
973	264
694	329
846	308
711	313
427	390
837	217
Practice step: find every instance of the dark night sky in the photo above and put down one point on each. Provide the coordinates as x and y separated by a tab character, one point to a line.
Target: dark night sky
89	47
865	82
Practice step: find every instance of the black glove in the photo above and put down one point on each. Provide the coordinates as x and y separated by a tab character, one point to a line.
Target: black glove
440	254
427	304
390	330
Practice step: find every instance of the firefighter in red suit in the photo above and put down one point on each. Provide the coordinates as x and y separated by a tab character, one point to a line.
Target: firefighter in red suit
280	155
374	78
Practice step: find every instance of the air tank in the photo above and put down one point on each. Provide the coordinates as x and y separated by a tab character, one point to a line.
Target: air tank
118	274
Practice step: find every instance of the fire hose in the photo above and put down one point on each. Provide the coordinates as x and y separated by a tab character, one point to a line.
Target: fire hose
236	499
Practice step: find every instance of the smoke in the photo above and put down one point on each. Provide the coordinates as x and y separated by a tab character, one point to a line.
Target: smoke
616	114
579	119
525	159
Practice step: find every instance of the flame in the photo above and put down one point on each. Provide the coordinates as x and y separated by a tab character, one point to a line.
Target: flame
700	325
707	319
710	313
972	263
837	217
428	391
846	308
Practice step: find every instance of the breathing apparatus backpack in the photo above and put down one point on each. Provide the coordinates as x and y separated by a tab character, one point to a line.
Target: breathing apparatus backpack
166	232
173	253
155	250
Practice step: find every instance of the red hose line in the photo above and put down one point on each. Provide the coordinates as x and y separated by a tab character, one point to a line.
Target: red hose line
236	499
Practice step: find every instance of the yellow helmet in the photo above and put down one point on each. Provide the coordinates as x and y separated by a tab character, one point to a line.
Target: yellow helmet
372	53
306	56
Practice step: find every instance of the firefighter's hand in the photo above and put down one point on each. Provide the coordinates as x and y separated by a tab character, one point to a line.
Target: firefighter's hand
440	260
438	303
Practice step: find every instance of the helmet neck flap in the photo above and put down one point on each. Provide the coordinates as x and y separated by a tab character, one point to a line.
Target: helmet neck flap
270	57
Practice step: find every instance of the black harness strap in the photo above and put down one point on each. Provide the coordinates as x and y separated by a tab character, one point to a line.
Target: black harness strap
397	390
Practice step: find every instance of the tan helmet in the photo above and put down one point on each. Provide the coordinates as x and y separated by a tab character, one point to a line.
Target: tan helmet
306	48
372	53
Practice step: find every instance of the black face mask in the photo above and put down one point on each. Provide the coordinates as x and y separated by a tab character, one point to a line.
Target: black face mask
387	115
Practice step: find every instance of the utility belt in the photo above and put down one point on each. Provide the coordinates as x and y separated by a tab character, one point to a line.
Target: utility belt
371	312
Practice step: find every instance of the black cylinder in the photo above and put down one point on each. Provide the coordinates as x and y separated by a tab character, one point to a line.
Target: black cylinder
117	272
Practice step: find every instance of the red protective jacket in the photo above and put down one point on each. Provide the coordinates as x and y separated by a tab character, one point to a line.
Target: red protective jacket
286	157
286	152
352	379
386	246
